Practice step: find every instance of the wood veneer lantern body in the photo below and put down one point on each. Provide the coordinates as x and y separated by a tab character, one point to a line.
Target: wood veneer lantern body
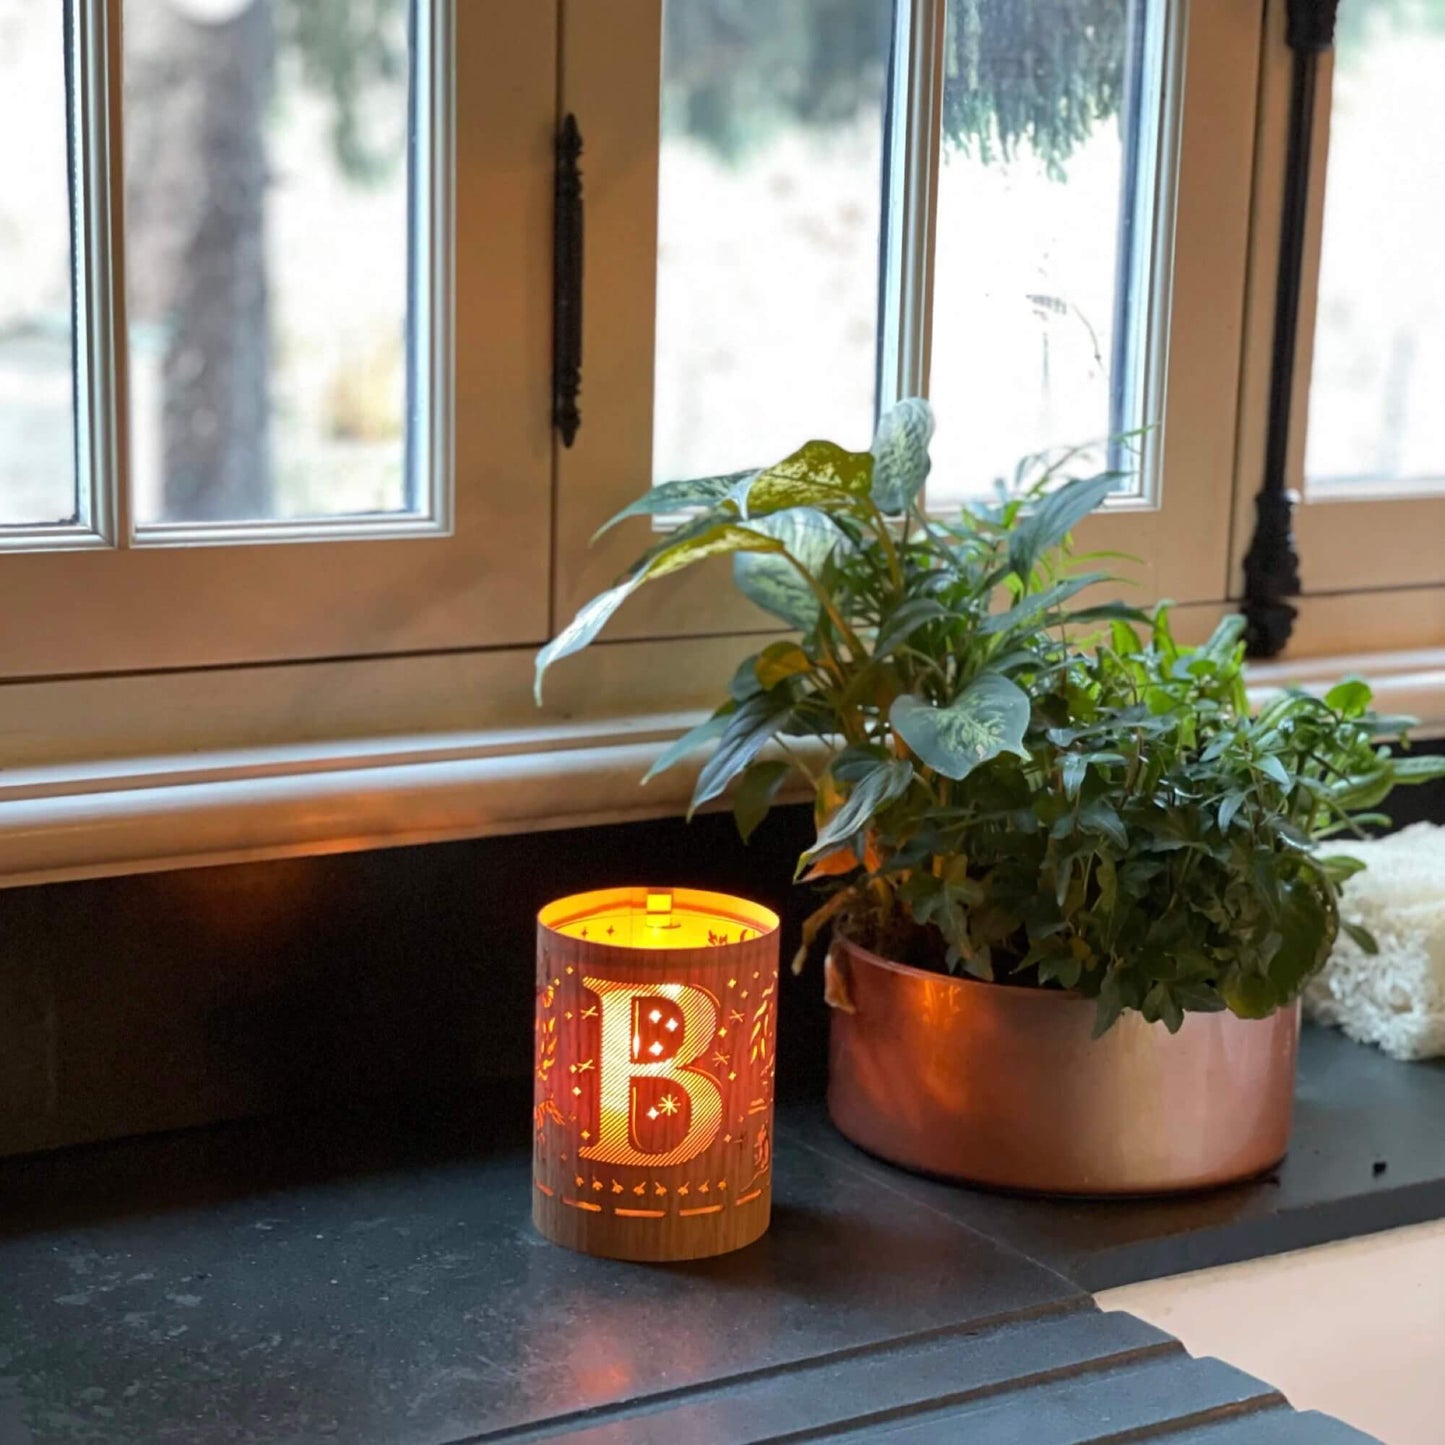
656	1029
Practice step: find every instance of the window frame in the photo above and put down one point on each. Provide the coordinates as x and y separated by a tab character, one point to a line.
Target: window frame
460	577
1370	565
87	120
256	744
611	67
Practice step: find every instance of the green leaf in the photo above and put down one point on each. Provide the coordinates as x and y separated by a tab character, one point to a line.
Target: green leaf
900	454
979	964
1389	725
755	794
1110	1005
779	661
1101	817
773	582
1274	770
1364	939
1198	998
1061	968
854	763
989	717
1356	824
1350	698
1366	790
713	540
744	682
1423	769
1164	643
1054	518
681	496
1250	997
873	792
1225	639
716	541
1036	604
1160	1006
1108	876
1340	867
582	629
1111	612
818	474
1306	923
1072	770
690	741
1229	808
748	732
904	621
1125	639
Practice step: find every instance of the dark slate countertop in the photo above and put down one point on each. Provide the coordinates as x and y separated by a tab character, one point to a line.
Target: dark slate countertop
376	1283
1367	1154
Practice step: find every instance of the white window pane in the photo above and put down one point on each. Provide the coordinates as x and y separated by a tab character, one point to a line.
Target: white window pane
769	222
37	392
1376	417
267	252
1046	188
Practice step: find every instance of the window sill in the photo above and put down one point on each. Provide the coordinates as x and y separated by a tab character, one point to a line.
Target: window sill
150	814
63	821
1410	683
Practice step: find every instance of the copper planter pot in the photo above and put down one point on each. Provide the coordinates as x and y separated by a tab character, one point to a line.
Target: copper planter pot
1005	1087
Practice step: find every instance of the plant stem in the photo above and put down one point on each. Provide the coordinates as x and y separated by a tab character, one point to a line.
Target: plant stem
885	536
830	611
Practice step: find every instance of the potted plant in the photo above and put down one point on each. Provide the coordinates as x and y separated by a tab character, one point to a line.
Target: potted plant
1074	885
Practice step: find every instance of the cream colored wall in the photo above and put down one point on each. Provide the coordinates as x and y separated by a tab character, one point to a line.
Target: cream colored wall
1354	1329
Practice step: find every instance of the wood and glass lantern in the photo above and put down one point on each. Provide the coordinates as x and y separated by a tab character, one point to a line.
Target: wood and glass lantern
656	1028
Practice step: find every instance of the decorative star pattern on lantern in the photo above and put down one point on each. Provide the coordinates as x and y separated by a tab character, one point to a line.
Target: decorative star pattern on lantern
638	1080
660	1110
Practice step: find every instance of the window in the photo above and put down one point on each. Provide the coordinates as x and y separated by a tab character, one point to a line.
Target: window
797	213
268	341
38	485
1367	449
1375	420
1049	223
277	466
769	221
291	325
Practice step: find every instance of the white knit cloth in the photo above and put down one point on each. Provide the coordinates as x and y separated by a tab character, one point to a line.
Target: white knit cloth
1395	999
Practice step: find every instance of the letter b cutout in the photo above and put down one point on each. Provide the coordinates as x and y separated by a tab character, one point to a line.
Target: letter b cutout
651	1036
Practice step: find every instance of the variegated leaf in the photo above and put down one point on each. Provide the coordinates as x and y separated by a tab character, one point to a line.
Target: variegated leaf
818	474
773	582
680	496
900	454
583	628
989	717
873	792
690	741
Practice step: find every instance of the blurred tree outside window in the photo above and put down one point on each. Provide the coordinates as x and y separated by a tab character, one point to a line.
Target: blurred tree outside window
37	411
268	227
771	219
267	236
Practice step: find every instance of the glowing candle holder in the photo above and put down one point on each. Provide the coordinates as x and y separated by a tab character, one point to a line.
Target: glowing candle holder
656	1028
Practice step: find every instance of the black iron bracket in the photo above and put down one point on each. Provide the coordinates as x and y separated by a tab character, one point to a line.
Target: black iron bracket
567	284
1272	566
1311	25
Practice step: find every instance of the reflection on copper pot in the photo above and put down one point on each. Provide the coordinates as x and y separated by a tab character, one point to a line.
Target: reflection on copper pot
1006	1086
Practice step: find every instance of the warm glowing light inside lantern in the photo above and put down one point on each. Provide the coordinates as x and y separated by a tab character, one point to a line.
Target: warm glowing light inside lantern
656	1027
659	918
